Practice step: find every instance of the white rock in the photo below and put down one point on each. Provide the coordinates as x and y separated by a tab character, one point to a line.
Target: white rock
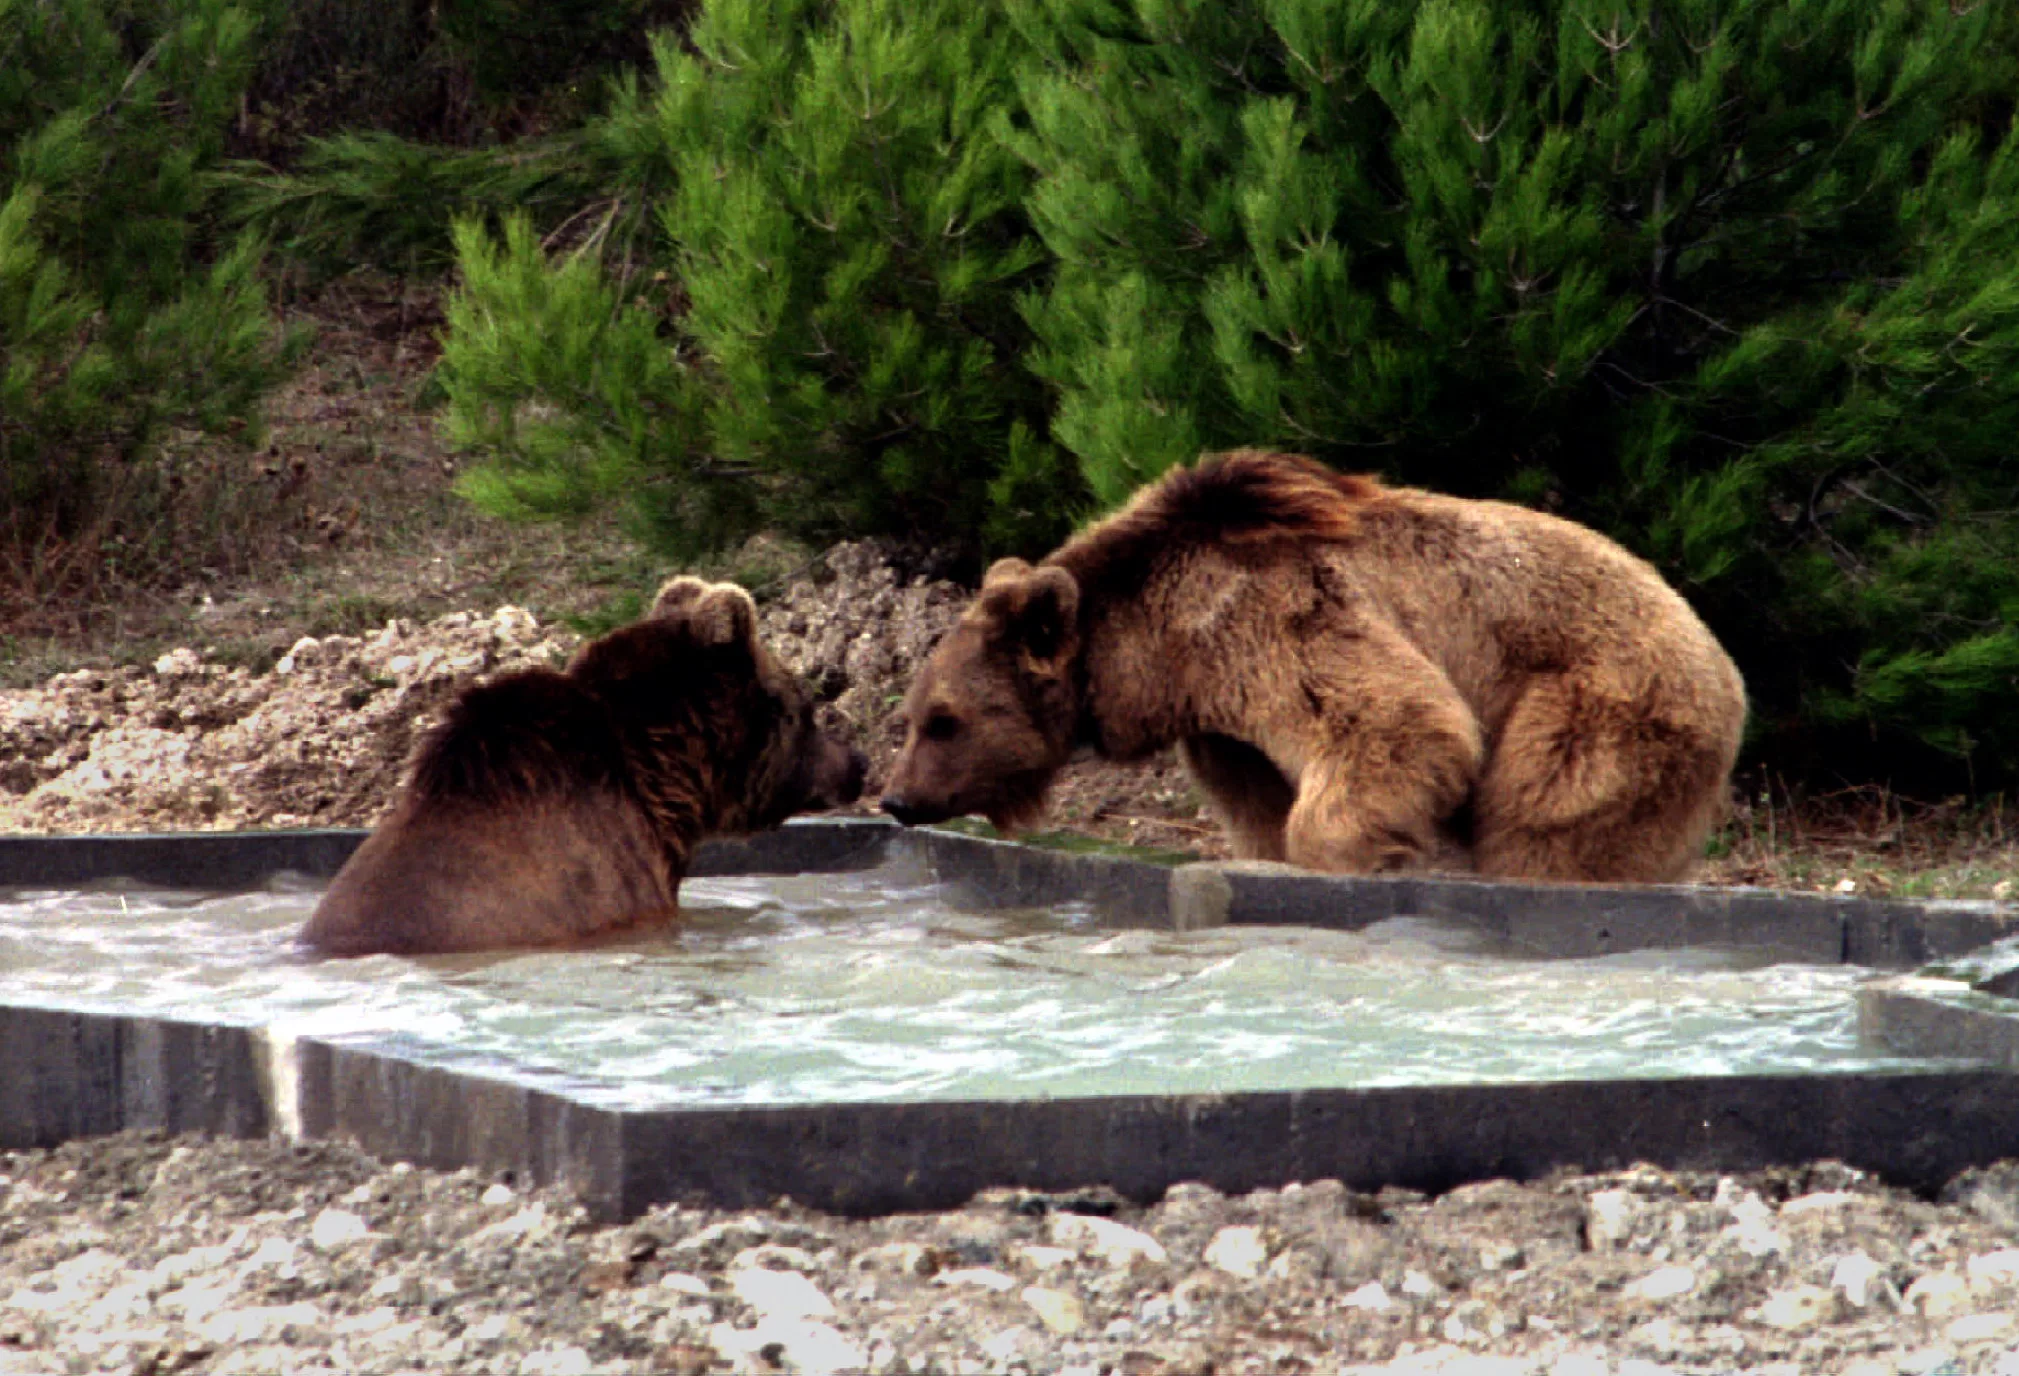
1040	1258
1417	1285
497	1194
1753	1228
180	662
514	623
803	1346
1853	1276
299	655
334	1228
680	1283
1993	1269
1821	1201
780	1294
121	1304
1058	1311
255	1323
1012	1344
528	1220
1634	1366
199	1299
1610	1216
1455	1361
1657	1335
1238	1251
488	1329
1664	1283
900	1258
276	1252
1369	1296
1582	1363
1926	1361
1978	1328
1103	1238
557	1361
1799	1306
980	1277
88	1269
1939	1294
772	1257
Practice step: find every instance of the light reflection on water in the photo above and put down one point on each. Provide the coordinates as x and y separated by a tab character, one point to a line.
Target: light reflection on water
864	986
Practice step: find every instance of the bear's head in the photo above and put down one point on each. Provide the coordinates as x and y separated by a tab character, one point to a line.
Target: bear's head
745	736
992	715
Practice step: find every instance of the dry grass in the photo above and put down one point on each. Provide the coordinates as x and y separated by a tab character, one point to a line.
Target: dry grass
1869	840
344	517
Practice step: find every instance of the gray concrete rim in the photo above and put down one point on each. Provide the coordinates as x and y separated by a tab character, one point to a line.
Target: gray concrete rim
72	1074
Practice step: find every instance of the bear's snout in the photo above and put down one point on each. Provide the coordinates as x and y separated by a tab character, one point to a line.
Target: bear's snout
900	808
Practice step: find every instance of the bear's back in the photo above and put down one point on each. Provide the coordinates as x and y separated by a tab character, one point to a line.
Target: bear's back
531	732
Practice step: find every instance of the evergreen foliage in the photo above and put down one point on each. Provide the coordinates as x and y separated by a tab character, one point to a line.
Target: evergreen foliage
370	197
117	317
1732	279
823	339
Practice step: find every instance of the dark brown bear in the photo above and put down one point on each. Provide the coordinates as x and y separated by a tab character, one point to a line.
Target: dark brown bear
550	806
1360	678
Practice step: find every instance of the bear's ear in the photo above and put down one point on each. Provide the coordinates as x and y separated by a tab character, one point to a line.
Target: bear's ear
678	594
1036	609
1005	570
724	615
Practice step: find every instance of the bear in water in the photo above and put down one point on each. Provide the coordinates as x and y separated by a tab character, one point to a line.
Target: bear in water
552	806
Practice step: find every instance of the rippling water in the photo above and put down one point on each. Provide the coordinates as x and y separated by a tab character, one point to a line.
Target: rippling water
863	986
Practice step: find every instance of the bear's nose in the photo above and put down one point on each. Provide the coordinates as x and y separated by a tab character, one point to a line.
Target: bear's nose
899	808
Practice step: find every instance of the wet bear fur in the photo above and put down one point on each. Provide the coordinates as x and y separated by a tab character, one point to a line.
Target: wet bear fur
552	806
1360	678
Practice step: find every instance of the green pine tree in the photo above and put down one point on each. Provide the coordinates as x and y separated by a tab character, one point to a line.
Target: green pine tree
823	339
120	313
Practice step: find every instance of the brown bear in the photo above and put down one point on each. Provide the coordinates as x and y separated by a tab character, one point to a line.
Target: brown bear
551	806
1358	676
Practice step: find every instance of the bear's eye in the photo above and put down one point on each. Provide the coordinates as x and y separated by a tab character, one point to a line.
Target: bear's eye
940	726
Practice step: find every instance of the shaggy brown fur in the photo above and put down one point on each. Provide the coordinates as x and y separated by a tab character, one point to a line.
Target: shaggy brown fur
1361	678
552	806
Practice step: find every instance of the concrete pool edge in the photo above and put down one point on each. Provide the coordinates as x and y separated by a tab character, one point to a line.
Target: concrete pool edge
1552	921
92	1074
73	1074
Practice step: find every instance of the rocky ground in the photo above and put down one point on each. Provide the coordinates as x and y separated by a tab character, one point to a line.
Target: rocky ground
146	1255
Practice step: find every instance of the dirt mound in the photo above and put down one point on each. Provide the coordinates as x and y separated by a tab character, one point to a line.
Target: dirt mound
192	743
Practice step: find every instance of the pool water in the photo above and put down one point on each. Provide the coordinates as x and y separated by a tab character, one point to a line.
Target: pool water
870	986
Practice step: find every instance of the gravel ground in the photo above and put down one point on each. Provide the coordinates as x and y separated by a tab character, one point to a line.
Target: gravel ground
145	1254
